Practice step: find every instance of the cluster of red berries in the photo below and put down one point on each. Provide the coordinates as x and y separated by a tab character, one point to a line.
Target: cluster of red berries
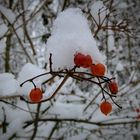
85	61
106	106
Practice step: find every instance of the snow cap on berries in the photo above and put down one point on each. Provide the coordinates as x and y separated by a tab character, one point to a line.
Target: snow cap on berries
71	34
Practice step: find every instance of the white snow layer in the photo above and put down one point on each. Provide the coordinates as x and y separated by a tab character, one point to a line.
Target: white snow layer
8	14
3	29
2	45
99	12
111	42
12	128
119	67
29	71
8	85
66	110
71	34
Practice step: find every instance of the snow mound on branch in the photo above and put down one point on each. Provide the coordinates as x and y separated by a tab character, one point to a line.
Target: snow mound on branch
29	71
71	34
8	85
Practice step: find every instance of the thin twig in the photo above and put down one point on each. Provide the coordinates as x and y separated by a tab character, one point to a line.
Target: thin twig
17	106
53	130
36	121
58	88
85	121
19	40
25	29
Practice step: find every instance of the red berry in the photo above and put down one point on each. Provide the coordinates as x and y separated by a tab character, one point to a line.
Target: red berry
105	107
78	59
82	60
138	117
35	95
137	110
113	87
98	69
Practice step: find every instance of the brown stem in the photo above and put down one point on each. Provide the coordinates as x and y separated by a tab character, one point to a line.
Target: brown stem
56	91
25	29
36	121
19	40
16	106
85	121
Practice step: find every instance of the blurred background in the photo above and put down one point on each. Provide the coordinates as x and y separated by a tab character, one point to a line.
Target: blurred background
73	114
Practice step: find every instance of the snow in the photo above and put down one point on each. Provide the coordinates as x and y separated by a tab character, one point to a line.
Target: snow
8	85
123	5
22	115
3	29
81	136
111	42
99	11
12	129
119	67
2	45
29	71
48	128
51	89
71	34
32	6
55	5
67	110
19	31
8	14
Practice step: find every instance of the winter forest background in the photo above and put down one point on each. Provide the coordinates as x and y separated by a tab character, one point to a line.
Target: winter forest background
32	29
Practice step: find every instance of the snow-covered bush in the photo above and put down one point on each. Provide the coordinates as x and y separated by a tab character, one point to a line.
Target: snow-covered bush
59	63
